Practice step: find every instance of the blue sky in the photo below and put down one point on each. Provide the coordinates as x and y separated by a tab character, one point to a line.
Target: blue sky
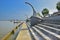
17	9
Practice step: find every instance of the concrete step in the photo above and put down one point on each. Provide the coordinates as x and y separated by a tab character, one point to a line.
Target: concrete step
52	29
51	25
42	34
52	35
34	35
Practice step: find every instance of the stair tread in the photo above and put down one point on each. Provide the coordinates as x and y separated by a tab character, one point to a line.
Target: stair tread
49	27
51	24
54	34
36	38
43	35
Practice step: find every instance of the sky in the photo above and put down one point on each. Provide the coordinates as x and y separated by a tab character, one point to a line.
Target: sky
17	9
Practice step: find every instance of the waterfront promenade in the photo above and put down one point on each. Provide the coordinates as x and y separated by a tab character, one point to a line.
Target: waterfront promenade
24	33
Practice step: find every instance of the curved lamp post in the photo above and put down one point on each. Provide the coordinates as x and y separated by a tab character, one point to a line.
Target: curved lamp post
34	12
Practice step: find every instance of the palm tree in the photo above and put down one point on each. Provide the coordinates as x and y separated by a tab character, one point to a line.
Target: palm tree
58	6
45	12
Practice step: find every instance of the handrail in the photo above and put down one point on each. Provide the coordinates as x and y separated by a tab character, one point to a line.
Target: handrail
12	32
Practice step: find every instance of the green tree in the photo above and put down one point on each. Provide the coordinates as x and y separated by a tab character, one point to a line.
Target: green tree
45	12
27	20
58	6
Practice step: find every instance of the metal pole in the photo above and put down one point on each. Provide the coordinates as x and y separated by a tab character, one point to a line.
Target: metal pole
34	12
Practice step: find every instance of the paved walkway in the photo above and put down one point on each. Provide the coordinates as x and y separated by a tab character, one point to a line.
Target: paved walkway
24	33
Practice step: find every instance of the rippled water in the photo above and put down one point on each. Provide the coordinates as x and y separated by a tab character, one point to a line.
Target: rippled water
5	27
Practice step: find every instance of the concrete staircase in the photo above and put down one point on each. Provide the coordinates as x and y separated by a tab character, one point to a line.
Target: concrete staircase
45	31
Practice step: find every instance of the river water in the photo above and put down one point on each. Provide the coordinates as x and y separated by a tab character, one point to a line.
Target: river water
5	27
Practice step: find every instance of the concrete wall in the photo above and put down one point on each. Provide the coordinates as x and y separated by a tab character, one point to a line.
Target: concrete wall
36	20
